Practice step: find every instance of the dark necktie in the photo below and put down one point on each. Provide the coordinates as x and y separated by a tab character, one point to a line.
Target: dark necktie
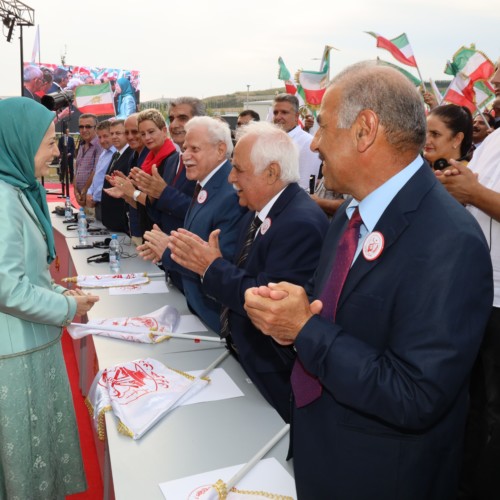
180	169
242	257
306	387
197	190
114	159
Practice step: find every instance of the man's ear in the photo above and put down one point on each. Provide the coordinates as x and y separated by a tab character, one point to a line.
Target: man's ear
366	129
222	149
273	172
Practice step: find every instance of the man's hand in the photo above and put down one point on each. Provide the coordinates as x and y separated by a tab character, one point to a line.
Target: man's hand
459	181
191	252
122	186
280	310
81	198
90	201
155	245
153	185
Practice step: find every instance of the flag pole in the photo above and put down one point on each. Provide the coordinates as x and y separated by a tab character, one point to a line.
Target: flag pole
420	76
436	92
482	116
220	489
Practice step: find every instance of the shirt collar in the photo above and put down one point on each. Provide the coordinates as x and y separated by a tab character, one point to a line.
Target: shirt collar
267	207
203	183
373	206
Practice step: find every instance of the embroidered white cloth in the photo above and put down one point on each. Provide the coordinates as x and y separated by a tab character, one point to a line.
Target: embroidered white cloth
149	329
109	280
139	393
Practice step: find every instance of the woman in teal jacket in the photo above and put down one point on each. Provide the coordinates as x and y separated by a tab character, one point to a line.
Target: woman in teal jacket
39	448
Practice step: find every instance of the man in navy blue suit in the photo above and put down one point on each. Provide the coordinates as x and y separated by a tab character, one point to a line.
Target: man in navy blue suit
207	149
384	356
285	247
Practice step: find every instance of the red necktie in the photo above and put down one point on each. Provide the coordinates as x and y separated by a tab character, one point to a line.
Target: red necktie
306	387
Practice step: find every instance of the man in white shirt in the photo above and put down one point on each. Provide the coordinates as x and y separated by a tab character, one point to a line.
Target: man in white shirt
286	116
477	186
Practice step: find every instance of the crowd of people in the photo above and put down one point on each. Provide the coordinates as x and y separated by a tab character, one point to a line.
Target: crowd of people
363	332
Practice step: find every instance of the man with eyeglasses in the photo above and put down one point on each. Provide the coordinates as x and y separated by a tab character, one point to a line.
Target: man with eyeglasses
89	151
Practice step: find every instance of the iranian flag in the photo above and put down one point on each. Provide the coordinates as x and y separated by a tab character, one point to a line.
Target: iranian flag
95	99
484	93
413	79
461	92
472	70
312	84
290	87
284	74
399	47
470	63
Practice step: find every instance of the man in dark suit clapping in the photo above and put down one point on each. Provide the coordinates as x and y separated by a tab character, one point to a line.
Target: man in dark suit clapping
399	302
286	246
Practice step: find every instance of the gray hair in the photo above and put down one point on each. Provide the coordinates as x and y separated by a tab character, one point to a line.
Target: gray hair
31	72
197	106
288	98
367	85
218	131
272	144
88	115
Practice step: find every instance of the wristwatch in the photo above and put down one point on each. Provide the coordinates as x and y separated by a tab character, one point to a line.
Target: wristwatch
136	194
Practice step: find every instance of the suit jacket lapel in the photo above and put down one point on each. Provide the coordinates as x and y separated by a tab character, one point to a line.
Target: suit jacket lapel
392	224
211	188
283	200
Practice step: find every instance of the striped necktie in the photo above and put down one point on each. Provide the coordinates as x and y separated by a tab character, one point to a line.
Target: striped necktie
242	257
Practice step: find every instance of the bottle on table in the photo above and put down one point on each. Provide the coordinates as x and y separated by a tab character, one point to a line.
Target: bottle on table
114	255
68	209
82	227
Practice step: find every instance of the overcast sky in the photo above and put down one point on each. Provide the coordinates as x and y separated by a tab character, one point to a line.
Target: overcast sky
212	47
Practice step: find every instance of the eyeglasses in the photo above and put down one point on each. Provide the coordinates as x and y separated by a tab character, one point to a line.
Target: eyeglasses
86	126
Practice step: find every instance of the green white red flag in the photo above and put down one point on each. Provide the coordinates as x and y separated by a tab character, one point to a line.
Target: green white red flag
485	93
461	92
413	79
312	84
399	47
95	99
472	70
470	63
285	75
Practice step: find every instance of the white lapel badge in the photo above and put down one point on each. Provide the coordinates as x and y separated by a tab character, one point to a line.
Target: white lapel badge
373	245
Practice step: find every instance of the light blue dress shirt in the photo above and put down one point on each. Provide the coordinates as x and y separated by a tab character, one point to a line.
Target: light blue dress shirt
373	206
102	165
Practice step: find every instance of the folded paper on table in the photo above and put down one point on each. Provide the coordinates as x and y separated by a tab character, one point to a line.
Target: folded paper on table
221	387
150	328
139	393
190	323
268	479
108	280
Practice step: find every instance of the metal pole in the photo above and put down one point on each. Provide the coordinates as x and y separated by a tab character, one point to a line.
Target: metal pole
22	56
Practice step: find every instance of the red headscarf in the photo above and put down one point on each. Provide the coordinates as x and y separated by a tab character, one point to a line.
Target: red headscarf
155	159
